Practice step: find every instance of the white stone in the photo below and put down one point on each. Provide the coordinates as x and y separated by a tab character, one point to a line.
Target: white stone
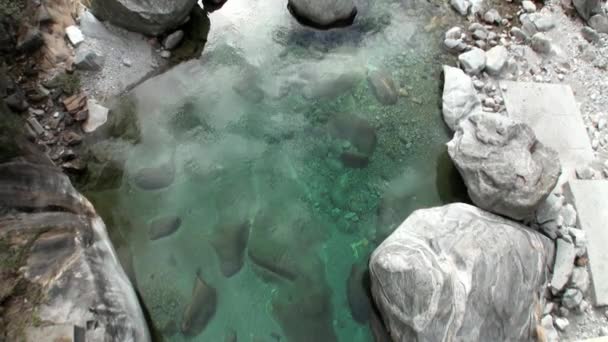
473	61
74	34
496	58
461	6
453	33
549	209
589	198
551	334
459	96
568	214
564	264
98	115
561	323
528	6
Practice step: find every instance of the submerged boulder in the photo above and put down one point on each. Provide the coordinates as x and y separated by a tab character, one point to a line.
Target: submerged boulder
151	17
230	242
360	136
358	293
505	168
154	178
323	14
459	96
383	86
200	309
163	227
458	273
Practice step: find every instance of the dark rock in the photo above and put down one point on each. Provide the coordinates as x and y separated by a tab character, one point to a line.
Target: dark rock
359	293
76	165
17	102
378	329
230	242
383	86
587	8
323	14
154	178
88	60
30	41
163	227
213	5
200	309
71	138
7	35
151	17
360	135
489	269
172	41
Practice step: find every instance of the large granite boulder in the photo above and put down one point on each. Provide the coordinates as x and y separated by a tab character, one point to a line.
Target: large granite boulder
151	17
459	96
505	168
323	14
458	273
57	265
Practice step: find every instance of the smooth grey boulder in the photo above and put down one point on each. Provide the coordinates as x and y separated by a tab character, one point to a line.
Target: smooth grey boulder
383	86
151	17
505	168
459	98
599	23
458	273
496	58
323	14
587	8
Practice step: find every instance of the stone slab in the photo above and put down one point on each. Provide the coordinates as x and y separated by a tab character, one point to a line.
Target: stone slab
552	112
590	197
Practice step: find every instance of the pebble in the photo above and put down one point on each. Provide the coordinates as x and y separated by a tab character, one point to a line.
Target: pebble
528	6
165	54
561	323
74	34
127	62
492	17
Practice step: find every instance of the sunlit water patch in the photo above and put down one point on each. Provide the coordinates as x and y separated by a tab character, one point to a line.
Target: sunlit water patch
268	171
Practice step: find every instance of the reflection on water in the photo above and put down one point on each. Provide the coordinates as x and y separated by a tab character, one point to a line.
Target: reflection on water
268	171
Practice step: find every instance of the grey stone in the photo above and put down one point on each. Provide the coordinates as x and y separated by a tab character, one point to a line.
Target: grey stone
30	40
323	14
459	96
561	323
461	6
527	25
551	334
572	298
549	308
74	35
496	58
599	22
165	54
587	8
585	172
580	279
568	214
518	34
505	168
172	41
383	86
151	17
88	60
458	263
528	6
472	61
543	23
476	26
456	45
35	125
564	264
540	43
589	198
492	17
480	34
453	33
549	209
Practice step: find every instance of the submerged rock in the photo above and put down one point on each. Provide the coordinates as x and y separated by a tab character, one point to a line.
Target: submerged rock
383	86
230	243
151	17
360	135
358	293
459	96
201	308
323	14
505	168
154	178
163	227
459	273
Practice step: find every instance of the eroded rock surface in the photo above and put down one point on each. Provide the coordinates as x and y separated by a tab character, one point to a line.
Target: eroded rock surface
458	273
505	168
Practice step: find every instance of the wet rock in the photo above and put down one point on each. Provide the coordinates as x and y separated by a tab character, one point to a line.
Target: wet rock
154	178
459	96
472	61
461	6
330	84
587	8
564	264
599	23
590	34
359	133
323	14
358	293
383	86
74	34
213	5
151	17
201	308
163	227
88	60
540	43
419	266
172	41
230	336
230	242
506	169
496	58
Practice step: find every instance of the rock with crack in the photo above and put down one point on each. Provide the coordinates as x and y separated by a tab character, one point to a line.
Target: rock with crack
151	17
505	168
323	14
459	98
459	273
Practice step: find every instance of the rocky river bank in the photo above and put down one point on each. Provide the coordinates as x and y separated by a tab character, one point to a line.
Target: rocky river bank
246	188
